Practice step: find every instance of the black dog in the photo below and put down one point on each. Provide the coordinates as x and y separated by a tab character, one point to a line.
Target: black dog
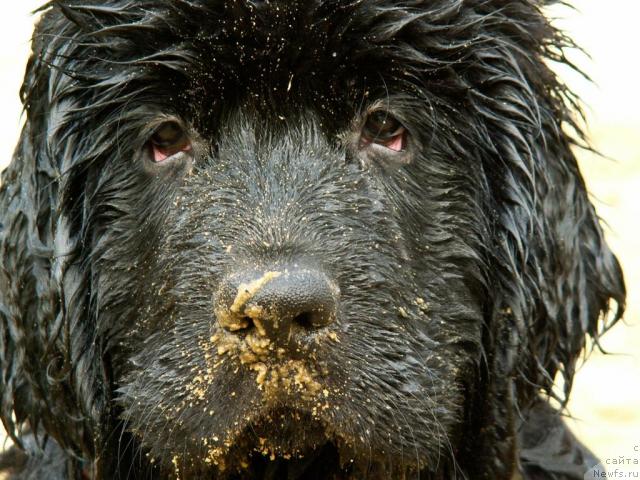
335	239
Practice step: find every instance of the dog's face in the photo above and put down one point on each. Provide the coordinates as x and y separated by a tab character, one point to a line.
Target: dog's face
336	237
286	293
302	270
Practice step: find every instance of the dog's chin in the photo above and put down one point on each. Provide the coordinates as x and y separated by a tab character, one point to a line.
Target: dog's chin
288	442
287	415
285	442
286	433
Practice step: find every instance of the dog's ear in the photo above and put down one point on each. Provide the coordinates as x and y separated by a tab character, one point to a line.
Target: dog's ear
52	224
579	281
560	283
48	354
553	282
557	281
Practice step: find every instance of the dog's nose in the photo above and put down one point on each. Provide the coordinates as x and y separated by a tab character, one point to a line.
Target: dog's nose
278	303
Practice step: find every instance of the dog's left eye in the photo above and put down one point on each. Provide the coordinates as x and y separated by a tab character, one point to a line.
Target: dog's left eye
381	128
169	139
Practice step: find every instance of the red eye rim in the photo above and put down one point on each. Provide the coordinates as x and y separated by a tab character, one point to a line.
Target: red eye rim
160	155
397	143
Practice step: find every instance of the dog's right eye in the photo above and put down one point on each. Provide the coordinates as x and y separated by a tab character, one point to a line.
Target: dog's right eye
383	129
169	139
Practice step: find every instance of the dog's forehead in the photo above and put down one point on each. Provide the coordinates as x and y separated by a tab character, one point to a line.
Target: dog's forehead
326	56
270	41
329	56
273	46
264	43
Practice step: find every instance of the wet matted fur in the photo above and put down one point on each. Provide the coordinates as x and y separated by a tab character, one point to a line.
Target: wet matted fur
182	157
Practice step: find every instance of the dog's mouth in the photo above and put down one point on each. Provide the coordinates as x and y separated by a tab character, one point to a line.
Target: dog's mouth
320	463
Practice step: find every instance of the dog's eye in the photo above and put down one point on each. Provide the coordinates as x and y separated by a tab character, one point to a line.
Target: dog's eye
169	139
382	128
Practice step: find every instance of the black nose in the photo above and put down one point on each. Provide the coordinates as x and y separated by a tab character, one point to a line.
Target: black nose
277	303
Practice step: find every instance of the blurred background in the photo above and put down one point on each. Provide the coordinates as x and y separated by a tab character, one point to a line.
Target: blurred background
605	405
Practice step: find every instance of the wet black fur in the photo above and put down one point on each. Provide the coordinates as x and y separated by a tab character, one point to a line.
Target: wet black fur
109	264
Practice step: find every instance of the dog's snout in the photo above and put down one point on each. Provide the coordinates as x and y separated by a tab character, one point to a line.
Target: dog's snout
278	303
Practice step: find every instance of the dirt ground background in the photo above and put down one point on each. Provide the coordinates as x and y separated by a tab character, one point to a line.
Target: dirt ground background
606	399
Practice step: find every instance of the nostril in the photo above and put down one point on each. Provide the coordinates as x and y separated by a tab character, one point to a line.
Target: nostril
247	323
304	320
